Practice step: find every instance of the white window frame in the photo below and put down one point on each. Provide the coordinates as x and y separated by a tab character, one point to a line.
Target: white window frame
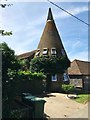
53	51
54	77
45	51
38	52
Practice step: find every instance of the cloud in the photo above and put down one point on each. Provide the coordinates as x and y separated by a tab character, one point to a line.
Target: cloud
74	11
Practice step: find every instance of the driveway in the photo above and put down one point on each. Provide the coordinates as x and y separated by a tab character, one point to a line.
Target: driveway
60	106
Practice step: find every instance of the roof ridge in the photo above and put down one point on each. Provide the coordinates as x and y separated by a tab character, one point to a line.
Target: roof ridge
26	52
81	61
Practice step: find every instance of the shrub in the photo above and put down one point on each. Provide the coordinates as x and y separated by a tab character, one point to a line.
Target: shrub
68	88
31	76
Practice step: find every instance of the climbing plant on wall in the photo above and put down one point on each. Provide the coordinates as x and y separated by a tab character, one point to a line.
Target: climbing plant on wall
50	64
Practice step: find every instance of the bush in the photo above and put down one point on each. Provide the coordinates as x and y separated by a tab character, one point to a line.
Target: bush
31	76
30	82
20	113
68	88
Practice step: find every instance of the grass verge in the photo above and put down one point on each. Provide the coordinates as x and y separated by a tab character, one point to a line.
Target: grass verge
83	98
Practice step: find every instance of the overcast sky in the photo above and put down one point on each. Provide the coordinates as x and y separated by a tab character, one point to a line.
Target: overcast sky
27	21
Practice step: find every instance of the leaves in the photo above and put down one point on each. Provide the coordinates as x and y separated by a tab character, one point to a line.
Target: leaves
3	33
49	64
10	67
68	88
31	76
4	5
10	64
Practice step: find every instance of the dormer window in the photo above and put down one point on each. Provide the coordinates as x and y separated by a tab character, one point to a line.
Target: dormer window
53	51
45	51
63	52
38	52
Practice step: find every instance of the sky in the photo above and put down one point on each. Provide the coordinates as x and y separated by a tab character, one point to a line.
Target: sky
27	21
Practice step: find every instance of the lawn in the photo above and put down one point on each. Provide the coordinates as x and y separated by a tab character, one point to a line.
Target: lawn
83	98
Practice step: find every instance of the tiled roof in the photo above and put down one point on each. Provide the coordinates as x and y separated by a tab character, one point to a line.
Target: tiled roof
79	67
27	55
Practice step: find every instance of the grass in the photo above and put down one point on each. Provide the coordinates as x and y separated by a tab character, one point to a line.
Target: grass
83	98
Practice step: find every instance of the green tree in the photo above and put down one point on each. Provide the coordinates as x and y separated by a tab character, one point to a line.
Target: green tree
10	67
13	77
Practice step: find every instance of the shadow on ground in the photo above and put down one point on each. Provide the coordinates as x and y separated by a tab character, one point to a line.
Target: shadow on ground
45	95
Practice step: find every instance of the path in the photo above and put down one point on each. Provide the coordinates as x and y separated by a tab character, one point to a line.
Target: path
59	106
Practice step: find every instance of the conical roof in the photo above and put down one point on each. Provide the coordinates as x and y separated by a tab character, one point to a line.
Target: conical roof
50	16
50	37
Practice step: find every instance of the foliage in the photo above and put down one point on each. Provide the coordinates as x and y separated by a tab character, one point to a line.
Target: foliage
4	5
68	88
3	33
10	63
12	78
10	68
25	64
18	113
52	64
83	98
31	76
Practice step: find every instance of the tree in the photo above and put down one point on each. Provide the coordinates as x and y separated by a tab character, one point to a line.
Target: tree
10	67
13	78
9	61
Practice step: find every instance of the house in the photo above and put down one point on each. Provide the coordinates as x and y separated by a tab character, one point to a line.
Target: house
28	55
50	45
79	74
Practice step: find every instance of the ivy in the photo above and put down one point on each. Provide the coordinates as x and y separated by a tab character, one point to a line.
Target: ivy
50	64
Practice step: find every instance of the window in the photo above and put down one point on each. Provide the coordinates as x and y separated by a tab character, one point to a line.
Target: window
38	52
63	52
66	77
53	51
45	51
54	77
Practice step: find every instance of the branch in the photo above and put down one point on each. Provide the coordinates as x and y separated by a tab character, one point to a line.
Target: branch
3	33
4	5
